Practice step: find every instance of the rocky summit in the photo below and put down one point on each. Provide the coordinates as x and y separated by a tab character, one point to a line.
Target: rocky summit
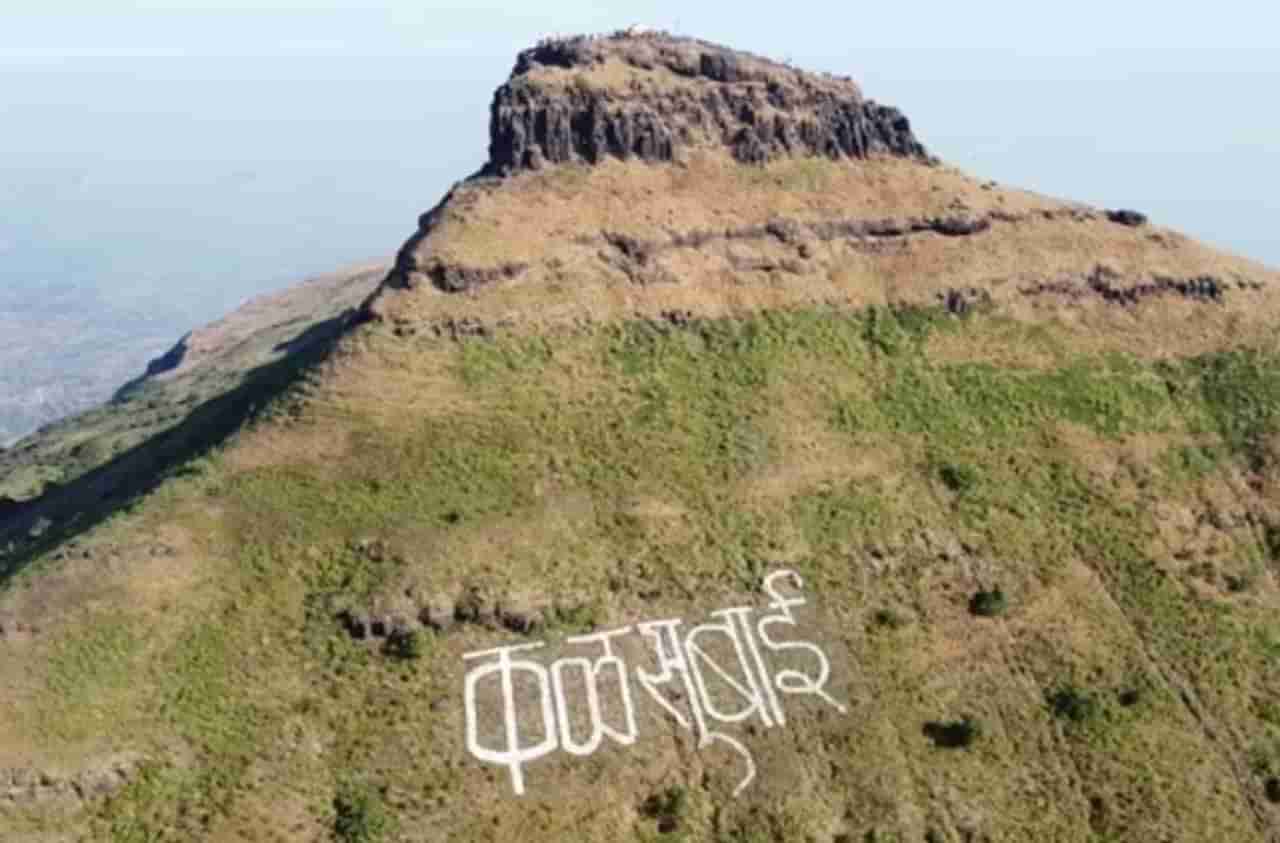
652	96
713	464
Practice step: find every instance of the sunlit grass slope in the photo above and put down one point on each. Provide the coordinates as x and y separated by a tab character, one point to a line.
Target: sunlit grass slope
1125	507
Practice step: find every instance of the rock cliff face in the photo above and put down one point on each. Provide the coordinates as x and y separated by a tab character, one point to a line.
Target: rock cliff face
648	96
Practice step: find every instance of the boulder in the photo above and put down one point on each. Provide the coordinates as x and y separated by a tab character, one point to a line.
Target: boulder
476	608
439	613
521	615
1127	217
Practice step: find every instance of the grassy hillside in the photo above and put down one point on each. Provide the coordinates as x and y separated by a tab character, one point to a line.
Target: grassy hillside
1020	455
1123	507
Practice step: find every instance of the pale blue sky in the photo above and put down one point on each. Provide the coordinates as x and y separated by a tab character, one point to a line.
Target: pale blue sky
212	27
179	156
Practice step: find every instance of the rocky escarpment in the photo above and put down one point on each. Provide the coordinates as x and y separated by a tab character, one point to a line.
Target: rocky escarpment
407	609
644	261
649	95
1107	284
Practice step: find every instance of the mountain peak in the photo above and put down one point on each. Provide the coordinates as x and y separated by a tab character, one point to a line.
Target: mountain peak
828	493
649	95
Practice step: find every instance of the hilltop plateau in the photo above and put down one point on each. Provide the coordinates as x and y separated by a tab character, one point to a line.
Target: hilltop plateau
965	499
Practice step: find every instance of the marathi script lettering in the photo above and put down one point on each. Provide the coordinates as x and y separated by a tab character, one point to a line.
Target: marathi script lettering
711	675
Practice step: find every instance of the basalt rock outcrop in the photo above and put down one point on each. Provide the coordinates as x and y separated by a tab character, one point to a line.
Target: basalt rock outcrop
1124	216
23	787
641	260
1107	284
648	96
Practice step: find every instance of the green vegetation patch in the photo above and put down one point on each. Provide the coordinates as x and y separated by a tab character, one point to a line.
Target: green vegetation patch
360	815
1240	391
980	402
89	676
622	469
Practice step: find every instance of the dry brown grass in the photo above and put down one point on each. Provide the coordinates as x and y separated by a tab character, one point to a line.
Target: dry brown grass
133	588
534	217
810	455
530	215
613	75
317	440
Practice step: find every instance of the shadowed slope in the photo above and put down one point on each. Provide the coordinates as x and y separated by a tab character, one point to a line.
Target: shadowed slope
202	366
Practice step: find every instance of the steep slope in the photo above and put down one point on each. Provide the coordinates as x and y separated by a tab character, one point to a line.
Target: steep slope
188	398
707	337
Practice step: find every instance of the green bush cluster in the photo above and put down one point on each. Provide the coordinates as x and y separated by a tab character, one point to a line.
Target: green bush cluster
1071	703
668	807
958	478
360	815
954	734
405	644
989	603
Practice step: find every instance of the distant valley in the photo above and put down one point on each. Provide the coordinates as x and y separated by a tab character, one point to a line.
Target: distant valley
63	350
111	249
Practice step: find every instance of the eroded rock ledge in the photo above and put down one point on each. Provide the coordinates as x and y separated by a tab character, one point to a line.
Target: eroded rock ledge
648	95
25	786
440	613
640	259
1107	284
635	256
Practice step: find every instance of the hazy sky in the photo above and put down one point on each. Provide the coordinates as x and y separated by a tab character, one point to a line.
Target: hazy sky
182	155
